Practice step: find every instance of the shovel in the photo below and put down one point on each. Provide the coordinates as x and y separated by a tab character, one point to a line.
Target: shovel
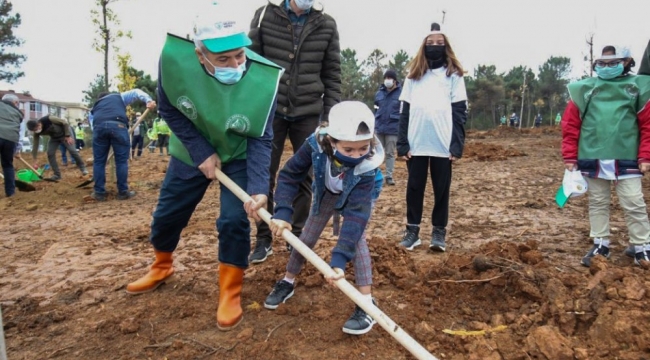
350	291
34	170
21	185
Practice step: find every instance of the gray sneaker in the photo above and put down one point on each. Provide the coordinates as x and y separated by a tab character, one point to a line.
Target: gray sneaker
360	322
281	292
438	239
642	256
126	195
596	249
411	237
630	251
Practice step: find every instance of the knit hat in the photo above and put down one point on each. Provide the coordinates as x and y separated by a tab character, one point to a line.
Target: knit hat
217	29
390	73
345	118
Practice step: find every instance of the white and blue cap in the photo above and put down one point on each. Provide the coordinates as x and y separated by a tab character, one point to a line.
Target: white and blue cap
218	29
620	52
345	118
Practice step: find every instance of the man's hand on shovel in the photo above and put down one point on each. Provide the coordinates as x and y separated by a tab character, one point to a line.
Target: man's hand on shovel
255	203
208	166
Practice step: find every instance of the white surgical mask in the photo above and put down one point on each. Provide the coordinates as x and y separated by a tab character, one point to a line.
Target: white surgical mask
389	83
304	4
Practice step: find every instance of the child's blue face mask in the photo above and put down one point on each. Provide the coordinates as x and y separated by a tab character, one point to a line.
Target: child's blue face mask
608	73
348	160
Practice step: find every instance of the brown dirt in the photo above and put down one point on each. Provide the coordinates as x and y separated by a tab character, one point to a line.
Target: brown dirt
513	260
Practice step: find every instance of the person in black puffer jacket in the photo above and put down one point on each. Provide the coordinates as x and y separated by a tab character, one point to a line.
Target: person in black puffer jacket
300	37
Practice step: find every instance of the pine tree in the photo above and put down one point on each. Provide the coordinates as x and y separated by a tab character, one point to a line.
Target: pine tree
9	62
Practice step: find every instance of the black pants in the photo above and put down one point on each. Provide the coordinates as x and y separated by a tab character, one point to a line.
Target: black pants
163	142
440	179
137	141
80	143
7	149
297	131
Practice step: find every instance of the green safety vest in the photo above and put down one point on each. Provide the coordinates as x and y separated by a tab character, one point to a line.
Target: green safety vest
79	133
226	115
608	109
152	134
161	127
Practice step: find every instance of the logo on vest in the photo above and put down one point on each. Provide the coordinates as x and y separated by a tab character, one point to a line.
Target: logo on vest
239	124
186	106
632	91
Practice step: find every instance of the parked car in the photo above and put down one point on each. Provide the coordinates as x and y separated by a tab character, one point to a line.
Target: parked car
27	145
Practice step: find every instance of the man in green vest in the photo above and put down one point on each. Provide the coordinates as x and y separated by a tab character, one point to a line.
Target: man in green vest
606	136
558	119
218	98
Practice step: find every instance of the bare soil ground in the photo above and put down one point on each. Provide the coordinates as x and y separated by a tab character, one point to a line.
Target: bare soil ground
512	269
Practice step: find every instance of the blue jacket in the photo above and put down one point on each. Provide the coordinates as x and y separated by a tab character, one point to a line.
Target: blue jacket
354	203
387	114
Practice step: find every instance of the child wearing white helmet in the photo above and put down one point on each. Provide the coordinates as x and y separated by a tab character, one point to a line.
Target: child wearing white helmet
606	135
345	157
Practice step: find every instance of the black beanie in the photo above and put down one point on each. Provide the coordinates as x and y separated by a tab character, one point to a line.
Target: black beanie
390	74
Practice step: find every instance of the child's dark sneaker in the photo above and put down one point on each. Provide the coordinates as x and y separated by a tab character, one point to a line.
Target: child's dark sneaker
597	249
360	322
281	292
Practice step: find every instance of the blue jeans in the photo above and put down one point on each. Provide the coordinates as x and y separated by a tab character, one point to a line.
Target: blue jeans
176	203
7	149
106	135
64	156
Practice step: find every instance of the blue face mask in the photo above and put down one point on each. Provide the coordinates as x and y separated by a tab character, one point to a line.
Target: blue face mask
608	73
227	75
348	160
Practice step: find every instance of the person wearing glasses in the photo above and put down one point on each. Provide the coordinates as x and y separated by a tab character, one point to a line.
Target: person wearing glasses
606	136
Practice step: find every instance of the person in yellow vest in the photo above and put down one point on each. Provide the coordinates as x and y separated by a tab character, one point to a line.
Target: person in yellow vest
153	137
218	98
79	134
163	131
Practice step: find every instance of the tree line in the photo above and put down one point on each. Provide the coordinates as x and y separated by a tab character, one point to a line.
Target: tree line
491	94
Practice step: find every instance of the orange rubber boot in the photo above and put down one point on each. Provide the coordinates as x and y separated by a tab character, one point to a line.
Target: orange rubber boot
160	271
229	311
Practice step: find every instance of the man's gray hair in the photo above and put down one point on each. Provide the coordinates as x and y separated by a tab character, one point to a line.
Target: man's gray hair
10	97
199	45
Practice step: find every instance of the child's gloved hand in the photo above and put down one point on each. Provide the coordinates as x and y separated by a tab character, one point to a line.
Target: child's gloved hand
277	227
339	274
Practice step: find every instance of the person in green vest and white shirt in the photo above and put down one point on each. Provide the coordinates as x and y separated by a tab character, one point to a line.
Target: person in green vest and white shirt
606	136
163	131
79	134
218	98
558	119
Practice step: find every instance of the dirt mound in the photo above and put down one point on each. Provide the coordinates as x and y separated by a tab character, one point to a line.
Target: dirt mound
506	289
511	132
489	152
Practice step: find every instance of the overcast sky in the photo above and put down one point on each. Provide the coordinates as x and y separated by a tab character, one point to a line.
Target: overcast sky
61	63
